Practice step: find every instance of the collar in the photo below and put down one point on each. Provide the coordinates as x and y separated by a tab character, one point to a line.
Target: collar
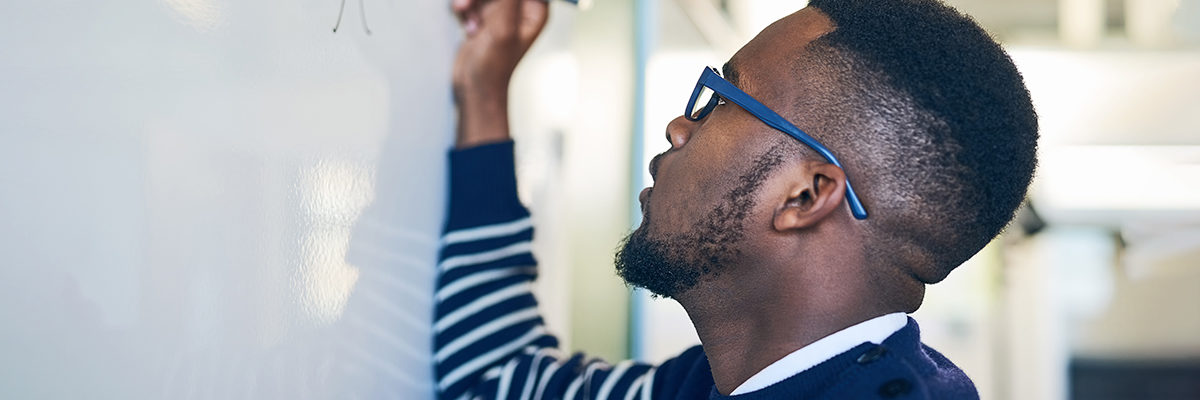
874	330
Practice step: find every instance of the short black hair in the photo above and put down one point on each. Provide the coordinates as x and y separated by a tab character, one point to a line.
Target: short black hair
934	123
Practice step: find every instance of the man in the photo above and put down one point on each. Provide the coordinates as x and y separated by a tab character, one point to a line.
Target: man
855	152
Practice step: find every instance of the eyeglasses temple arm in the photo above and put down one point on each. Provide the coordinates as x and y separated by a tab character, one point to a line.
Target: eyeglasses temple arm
711	79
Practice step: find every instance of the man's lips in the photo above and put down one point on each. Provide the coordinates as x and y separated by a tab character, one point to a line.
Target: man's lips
645	194
654	164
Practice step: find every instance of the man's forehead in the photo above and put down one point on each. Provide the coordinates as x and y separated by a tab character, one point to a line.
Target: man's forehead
729	72
776	46
801	26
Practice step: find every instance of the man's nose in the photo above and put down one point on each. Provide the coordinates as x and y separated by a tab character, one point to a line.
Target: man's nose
679	131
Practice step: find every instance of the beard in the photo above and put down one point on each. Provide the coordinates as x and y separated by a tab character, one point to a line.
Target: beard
657	265
670	264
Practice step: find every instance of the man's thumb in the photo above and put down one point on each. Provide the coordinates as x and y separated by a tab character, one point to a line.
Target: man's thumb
533	18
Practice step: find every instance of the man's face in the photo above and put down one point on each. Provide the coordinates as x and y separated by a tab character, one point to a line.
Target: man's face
702	214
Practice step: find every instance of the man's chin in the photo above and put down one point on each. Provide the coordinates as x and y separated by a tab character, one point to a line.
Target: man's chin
646	263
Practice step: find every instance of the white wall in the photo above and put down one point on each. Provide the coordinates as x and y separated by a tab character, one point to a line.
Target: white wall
220	199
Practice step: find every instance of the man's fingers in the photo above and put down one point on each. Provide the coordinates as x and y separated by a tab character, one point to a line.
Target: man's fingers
518	20
460	6
471	22
533	19
499	17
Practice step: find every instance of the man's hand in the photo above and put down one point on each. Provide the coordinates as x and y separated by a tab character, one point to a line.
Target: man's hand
499	32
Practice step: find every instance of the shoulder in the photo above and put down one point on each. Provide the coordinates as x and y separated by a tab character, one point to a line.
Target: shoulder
947	381
687	376
904	368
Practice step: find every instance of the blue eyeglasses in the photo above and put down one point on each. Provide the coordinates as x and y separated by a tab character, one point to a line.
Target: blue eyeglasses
711	79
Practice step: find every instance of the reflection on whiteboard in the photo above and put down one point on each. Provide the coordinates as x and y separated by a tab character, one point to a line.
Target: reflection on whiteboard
214	199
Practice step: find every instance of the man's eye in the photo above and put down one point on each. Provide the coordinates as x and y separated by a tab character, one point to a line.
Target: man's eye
720	100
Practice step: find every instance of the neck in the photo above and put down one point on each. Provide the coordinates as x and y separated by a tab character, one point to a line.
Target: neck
744	328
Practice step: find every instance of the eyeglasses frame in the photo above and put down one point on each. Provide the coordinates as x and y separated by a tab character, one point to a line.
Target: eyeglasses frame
723	89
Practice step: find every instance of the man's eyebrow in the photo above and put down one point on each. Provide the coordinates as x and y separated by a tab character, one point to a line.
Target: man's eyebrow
729	73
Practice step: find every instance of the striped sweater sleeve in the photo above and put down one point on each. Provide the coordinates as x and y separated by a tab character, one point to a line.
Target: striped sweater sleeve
489	339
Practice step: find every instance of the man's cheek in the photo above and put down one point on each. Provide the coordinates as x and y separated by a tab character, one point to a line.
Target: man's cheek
671	210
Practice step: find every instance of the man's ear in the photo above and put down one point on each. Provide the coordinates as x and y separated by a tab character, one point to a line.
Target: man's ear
817	190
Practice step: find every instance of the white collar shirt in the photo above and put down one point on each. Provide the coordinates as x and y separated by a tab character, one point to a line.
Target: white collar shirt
874	330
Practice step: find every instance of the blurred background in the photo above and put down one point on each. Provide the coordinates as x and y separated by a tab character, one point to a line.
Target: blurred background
210	199
1094	293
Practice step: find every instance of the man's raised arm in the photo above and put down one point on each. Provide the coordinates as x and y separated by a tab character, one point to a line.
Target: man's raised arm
489	339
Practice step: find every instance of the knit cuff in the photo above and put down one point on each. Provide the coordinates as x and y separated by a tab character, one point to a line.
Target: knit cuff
483	187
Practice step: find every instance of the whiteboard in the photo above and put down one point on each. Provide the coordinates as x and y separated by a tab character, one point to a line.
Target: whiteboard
218	199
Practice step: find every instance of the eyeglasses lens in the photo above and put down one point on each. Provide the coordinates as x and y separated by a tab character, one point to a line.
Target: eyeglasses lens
703	104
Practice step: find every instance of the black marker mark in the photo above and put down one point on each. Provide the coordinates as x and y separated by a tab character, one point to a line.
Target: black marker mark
362	11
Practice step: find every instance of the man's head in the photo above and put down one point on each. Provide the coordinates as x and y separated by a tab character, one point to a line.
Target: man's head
927	114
